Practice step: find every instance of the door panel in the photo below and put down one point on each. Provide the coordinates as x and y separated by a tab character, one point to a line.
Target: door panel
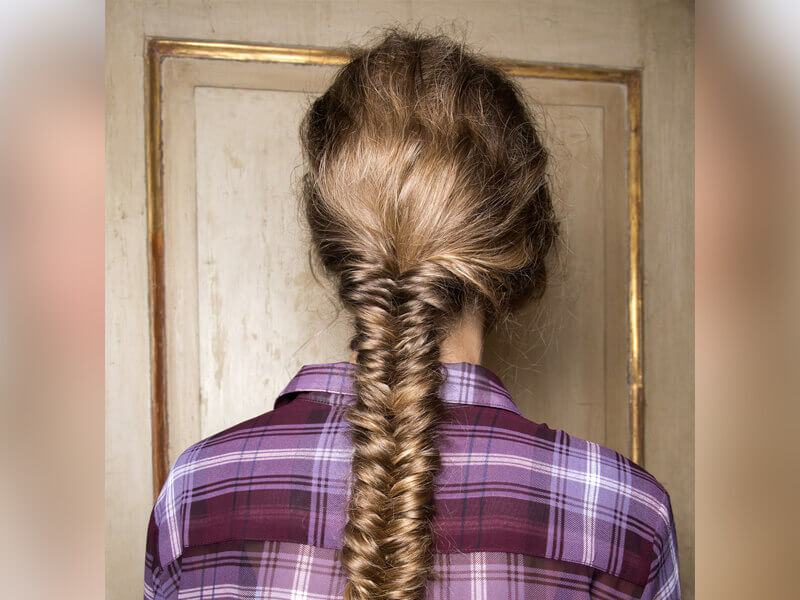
243	310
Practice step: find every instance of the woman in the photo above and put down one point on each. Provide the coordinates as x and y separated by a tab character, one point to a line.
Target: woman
409	472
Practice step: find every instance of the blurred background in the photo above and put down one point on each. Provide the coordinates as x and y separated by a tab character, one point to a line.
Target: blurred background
52	129
52	148
747	95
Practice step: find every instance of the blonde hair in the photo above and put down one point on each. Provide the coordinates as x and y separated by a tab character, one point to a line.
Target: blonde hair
426	194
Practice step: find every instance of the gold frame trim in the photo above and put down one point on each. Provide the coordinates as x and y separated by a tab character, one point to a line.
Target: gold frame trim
158	49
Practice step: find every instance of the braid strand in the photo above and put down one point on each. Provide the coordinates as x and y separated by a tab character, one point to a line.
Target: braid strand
370	293
418	411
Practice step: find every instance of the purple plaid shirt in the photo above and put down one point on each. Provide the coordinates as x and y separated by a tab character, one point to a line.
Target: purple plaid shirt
522	510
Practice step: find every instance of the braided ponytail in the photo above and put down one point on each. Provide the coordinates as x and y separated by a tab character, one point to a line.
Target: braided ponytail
425	196
422	315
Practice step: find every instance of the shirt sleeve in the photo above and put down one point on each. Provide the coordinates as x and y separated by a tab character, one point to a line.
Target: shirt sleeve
151	564
664	582
163	551
161	582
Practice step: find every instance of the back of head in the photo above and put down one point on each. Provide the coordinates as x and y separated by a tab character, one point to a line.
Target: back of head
426	196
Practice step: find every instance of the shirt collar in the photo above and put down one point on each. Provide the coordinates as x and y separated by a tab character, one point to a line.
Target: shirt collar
465	383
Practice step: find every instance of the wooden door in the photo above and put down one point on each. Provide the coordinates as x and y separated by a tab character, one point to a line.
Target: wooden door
225	298
237	311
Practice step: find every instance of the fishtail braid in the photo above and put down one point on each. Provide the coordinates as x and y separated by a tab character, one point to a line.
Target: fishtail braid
424	313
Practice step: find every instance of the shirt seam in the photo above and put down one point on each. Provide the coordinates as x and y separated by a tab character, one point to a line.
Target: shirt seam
591	567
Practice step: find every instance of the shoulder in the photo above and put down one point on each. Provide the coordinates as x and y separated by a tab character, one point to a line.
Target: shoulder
192	471
286	427
548	493
558	454
257	467
609	479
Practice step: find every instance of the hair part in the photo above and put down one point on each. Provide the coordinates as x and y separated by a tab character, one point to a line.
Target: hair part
426	194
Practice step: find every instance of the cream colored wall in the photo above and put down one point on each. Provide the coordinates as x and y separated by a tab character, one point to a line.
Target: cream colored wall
656	35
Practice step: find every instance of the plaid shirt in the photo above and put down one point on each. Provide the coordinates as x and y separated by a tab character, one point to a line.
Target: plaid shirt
522	510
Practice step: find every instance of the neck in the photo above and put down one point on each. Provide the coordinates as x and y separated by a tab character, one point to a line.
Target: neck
463	344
